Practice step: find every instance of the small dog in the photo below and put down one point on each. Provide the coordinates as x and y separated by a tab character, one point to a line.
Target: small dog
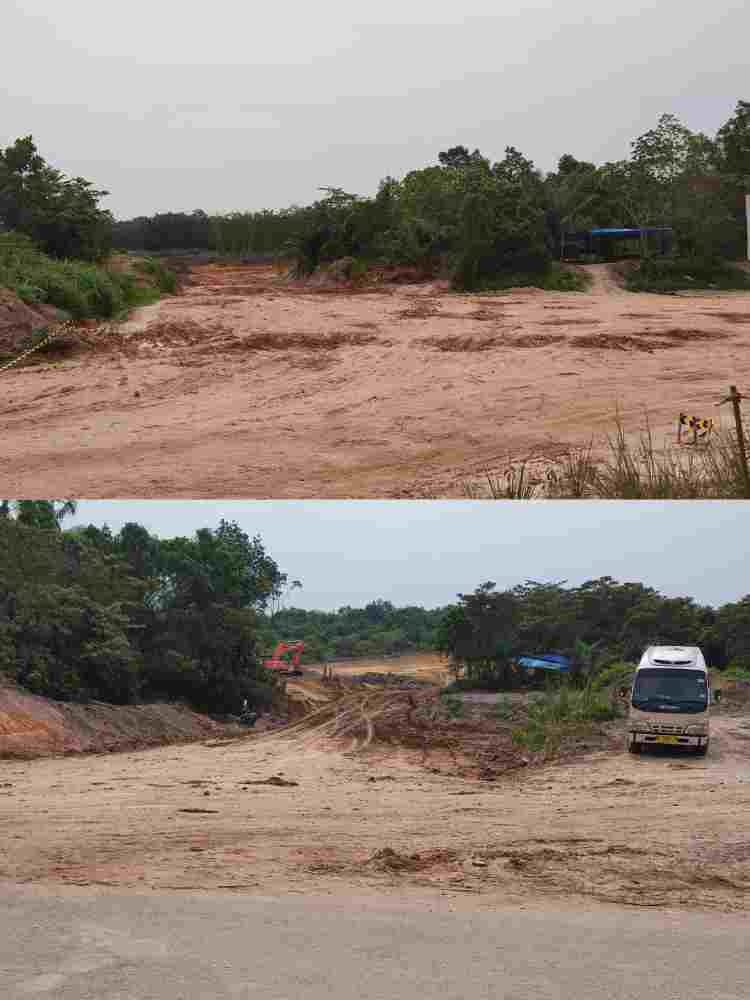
700	426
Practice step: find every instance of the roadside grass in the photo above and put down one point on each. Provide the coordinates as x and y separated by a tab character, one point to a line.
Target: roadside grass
556	716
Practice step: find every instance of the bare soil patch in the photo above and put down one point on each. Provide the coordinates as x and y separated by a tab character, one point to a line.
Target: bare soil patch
571	322
247	384
730	317
371	791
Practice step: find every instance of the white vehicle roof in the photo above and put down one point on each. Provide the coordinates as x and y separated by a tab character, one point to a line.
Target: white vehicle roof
686	657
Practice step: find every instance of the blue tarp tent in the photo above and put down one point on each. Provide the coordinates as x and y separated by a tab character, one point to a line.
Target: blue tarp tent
545	661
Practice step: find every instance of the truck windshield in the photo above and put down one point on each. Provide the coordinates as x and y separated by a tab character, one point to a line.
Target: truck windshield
670	690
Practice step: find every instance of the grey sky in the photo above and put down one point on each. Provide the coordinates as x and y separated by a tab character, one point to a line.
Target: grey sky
425	552
223	106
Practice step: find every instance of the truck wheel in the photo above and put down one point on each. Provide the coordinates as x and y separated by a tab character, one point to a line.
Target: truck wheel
634	747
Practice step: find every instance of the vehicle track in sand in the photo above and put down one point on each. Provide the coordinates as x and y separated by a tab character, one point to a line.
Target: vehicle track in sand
346	801
248	386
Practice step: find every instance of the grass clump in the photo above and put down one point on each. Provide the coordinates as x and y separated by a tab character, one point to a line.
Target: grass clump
736	672
557	715
503	709
164	278
454	706
511	484
673	274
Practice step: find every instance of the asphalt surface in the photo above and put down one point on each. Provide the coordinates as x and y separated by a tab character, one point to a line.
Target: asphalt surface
174	946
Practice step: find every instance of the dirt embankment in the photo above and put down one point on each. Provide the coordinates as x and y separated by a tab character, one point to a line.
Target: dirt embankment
18	321
31	726
248	385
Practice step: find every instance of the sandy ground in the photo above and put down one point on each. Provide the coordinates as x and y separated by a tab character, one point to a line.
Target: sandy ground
396	819
244	386
428	667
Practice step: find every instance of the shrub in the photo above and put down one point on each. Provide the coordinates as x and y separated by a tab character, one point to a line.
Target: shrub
555	715
165	278
454	706
670	274
85	291
616	675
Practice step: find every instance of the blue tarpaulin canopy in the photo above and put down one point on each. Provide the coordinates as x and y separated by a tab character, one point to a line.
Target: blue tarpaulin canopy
629	233
546	661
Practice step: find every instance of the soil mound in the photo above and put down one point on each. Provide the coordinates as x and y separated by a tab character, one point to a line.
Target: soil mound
388	860
31	726
19	321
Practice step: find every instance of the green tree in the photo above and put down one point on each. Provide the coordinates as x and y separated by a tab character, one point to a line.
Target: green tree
61	214
733	142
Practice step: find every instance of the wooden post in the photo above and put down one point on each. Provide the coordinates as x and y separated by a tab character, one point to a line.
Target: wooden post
734	398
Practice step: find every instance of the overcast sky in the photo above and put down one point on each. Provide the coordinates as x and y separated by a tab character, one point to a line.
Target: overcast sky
426	552
224	105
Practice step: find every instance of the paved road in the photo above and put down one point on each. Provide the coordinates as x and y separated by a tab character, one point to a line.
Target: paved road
185	947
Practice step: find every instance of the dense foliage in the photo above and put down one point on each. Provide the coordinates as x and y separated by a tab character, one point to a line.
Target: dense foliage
378	629
494	224
82	289
598	624
60	214
87	614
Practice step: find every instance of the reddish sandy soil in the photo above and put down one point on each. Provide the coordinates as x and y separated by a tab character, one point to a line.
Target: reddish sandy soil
247	386
369	795
655	830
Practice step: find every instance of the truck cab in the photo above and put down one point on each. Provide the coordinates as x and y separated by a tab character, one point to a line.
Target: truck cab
670	700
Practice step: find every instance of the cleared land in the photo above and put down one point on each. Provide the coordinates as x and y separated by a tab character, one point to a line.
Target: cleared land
247	385
375	793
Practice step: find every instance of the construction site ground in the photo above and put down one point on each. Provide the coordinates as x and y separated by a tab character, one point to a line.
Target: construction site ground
374	791
247	384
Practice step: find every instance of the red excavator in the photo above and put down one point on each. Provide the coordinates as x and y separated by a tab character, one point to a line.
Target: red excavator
289	666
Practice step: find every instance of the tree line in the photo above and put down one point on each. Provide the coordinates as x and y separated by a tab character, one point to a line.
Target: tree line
492	223
598	624
378	629
122	617
487	223
88	614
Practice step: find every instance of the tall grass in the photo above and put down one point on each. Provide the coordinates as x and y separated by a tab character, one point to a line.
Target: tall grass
85	291
641	471
629	470
511	484
555	715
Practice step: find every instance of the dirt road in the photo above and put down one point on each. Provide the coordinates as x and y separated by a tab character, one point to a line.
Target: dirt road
304	812
181	946
248	387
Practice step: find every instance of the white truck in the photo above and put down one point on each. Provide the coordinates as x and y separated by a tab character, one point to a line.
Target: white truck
670	700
